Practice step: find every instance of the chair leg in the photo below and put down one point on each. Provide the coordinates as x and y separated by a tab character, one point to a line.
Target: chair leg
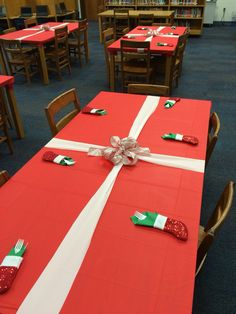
27	74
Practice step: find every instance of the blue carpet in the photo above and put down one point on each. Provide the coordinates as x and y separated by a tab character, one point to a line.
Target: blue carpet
209	72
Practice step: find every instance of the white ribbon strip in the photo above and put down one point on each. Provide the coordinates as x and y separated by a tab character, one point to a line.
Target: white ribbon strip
149	38
136	35
51	289
160	28
26	36
166	35
197	165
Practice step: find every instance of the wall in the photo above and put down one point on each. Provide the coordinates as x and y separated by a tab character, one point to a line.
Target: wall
230	10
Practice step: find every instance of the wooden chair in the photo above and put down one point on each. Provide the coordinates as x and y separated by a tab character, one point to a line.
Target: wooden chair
57	56
4	177
4	136
108	39
78	41
179	58
148	89
145	19
20	59
135	62
9	30
214	129
59	103
207	233
106	22
30	22
202	251
121	22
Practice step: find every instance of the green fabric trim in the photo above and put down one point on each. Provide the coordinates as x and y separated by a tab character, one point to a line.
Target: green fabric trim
101	112
171	136
169	104
148	221
20	253
67	161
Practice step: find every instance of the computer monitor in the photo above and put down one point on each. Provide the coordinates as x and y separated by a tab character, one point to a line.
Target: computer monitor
63	7
42	10
26	11
2	11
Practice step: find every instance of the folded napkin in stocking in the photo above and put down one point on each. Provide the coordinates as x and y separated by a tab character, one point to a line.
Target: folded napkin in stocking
58	159
171	102
180	137
98	112
10	266
155	220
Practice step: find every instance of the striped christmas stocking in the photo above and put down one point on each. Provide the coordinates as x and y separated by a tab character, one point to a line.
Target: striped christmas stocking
180	137
10	266
155	220
58	159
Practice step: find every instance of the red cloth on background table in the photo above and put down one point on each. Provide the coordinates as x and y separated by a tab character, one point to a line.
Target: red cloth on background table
142	269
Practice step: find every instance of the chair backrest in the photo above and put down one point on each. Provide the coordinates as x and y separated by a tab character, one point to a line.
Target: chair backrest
221	210
83	25
145	19
108	39
182	45
148	89
135	50
4	177
121	22
9	30
30	22
13	50
58	104
214	129
202	251
61	38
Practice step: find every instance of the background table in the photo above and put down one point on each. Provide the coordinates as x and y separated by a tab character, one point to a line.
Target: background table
7	83
167	51
134	14
33	36
127	269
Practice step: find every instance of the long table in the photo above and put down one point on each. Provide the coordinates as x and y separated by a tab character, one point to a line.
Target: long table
7	82
38	37
134	14
163	36
126	268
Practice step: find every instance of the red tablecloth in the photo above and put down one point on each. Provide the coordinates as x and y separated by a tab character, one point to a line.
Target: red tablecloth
127	269
37	36
171	39
6	80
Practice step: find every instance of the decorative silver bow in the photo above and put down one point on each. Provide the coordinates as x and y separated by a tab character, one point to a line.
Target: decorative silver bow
125	151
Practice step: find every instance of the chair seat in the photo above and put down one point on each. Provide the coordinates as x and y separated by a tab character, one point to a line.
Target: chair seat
53	53
74	42
18	60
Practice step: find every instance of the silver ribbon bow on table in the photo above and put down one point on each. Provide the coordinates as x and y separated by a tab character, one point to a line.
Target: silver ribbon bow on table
125	151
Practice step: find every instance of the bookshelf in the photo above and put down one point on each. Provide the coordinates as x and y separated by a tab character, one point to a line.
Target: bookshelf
188	13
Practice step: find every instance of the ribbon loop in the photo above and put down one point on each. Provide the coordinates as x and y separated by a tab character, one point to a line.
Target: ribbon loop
125	151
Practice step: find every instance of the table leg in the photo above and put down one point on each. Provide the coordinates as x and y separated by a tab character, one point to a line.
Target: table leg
112	72
14	111
100	29
43	64
2	61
